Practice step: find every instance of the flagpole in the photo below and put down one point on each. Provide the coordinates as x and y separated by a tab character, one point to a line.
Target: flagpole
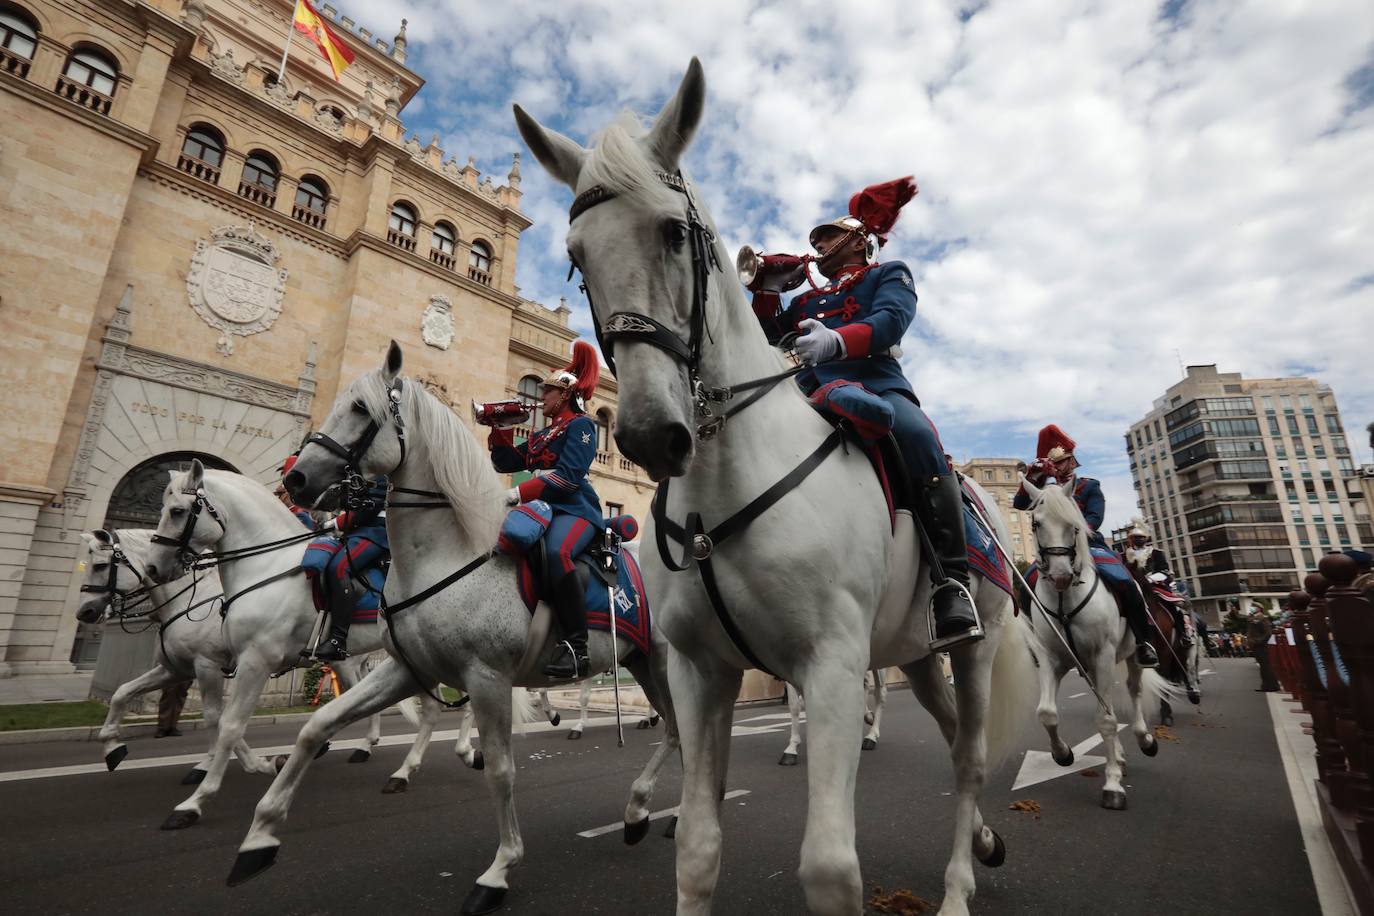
290	34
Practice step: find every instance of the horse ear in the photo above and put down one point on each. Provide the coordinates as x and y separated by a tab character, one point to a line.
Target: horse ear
561	157
196	475
1031	489
677	122
392	368
99	535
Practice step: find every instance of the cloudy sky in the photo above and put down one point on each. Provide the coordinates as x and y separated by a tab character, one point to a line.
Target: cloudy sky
1108	189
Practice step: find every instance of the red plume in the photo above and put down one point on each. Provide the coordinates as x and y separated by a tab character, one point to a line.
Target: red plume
877	206
1053	437
288	464
584	365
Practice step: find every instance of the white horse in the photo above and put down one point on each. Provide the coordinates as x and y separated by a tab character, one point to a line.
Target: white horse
682	333
1089	621
473	632
190	643
268	616
875	686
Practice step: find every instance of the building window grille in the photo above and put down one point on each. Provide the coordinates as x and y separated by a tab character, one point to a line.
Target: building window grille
88	79
259	181
312	197
18	39
479	263
202	153
401	229
442	244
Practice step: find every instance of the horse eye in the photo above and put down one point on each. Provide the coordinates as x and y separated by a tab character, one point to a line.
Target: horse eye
676	233
360	407
177	510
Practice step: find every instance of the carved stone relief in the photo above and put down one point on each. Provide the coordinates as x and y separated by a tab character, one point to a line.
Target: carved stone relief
234	283
436	324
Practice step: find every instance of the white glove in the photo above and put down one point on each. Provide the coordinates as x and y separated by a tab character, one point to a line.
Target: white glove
331	524
513	496
818	343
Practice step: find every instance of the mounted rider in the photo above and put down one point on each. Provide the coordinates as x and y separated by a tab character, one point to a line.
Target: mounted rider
1054	458
850	330
561	456
349	561
1141	554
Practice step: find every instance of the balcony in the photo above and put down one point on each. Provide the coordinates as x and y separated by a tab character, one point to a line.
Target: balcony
198	168
481	276
258	194
442	259
1203	502
311	218
83	95
401	240
13	64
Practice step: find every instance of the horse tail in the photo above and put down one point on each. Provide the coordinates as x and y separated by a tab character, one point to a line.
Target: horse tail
1014	692
1154	688
522	709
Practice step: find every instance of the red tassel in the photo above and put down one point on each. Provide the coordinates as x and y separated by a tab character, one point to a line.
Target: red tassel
877	206
584	365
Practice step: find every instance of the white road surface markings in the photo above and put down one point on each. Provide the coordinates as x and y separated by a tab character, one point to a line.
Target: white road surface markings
656	815
1039	766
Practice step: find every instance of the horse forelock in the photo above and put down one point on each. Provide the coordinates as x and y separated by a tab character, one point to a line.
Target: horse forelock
619	162
1058	505
461	467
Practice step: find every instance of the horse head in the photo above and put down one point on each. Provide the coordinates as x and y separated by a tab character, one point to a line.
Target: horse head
109	573
188	525
1060	532
361	436
646	253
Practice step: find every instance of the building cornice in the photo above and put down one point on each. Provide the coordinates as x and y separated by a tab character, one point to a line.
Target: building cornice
364	239
409	164
48	99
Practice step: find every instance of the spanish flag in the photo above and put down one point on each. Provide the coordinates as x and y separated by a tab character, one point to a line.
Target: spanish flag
312	25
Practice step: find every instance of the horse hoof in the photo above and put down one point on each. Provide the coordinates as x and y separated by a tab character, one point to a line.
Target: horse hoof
483	900
653	721
180	820
575	735
1113	800
636	831
671	830
787	760
250	864
555	720
193	778
279	761
1152	748
478	761
999	851
324	749
1194	697
395	786
869	745
1066	760
359	756
115	757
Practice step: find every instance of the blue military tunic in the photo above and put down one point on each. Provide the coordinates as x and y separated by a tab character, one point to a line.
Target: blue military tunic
561	455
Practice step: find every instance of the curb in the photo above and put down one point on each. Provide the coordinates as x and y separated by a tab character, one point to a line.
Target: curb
141	729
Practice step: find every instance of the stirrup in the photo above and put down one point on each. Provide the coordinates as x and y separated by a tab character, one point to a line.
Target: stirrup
971	635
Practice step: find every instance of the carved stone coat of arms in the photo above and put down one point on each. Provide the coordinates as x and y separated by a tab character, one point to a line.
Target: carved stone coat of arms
235	285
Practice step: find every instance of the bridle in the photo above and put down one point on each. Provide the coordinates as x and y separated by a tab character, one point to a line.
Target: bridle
185	554
353	455
640	328
118	598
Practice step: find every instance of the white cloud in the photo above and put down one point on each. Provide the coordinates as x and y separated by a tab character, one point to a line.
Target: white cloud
1110	187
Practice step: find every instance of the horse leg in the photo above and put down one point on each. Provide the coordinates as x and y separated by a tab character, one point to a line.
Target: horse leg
1113	793
471	757
350	673
491	697
936	695
875	718
584	698
1051	671
703	692
248	684
789	755
1144	737
547	706
399	781
211	682
387	684
652	676
152	679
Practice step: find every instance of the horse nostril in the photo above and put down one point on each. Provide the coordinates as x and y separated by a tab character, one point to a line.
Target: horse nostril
679	440
293	480
152	570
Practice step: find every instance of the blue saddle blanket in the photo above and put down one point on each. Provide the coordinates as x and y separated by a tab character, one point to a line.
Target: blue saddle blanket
630	598
983	557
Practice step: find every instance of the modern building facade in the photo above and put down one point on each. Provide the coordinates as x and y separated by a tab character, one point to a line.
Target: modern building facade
1000	478
197	256
1246	483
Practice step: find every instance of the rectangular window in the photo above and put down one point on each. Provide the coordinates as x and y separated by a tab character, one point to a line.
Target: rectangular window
1268	402
1280	451
1333	423
1345	465
1304	402
1299	449
987	474
1292	425
1343	534
1274	426
1311	425
1286	402
614	509
1291	491
1304	469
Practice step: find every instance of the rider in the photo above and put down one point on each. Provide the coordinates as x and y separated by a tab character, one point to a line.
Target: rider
1054	458
358	545
561	455
1145	556
850	329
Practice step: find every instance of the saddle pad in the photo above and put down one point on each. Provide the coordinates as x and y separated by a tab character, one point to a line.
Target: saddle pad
983	556
1165	595
631	600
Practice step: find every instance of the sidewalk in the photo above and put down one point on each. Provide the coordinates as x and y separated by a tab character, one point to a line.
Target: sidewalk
45	688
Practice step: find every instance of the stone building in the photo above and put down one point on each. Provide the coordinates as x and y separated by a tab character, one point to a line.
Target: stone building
196	256
1246	483
999	477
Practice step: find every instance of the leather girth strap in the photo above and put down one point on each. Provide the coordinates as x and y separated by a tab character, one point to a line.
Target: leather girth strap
699	543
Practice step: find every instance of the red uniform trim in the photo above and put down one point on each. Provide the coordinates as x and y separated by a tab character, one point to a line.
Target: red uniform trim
857	339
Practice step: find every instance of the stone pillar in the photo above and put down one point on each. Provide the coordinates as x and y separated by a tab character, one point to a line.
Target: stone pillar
286	194
424	238
231	170
19	507
378	183
48	60
150	73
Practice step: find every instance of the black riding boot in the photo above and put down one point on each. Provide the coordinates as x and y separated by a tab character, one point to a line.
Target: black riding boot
1138	618
941	513
570	661
335	648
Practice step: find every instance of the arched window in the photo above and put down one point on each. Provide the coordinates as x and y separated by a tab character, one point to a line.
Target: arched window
259	181
18	38
401	230
441	246
202	153
531	391
89	79
479	263
312	196
603	431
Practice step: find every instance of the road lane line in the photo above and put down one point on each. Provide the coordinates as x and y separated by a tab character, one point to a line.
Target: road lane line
1074	696
666	812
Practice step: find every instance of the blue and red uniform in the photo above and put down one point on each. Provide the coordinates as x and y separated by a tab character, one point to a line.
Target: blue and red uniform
337	562
561	456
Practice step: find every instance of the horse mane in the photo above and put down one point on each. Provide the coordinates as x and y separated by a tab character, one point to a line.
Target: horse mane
1058	503
136	540
618	162
461	467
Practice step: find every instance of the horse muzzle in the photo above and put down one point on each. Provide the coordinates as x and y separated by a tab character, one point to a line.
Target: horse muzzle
1062	582
91	611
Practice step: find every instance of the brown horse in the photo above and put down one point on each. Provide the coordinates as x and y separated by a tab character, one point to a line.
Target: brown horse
1178	663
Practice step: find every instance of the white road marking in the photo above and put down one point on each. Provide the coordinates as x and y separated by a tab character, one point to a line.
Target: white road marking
1039	766
666	812
1074	696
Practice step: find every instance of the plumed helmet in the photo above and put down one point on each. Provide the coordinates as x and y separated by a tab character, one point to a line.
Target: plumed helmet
873	212
1054	444
1138	531
579	376
288	464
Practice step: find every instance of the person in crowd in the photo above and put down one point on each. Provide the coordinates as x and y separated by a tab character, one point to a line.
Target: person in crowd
1257	634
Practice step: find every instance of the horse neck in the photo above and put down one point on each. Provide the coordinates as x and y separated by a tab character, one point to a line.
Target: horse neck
250	520
419	534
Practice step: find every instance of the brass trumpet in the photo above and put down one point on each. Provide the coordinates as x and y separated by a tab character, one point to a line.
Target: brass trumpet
774	273
500	414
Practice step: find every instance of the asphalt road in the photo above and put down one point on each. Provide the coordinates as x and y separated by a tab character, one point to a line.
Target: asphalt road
1210	828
